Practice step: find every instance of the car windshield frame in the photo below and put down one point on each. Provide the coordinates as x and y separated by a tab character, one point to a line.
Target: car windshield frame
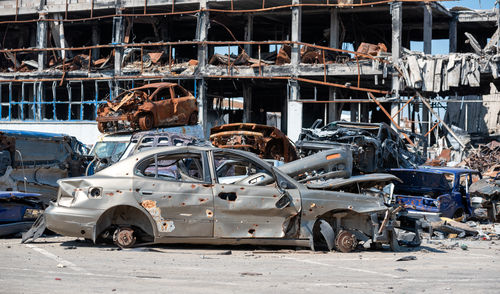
111	150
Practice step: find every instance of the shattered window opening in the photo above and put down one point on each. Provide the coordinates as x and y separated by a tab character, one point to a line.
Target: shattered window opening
173	167
234	169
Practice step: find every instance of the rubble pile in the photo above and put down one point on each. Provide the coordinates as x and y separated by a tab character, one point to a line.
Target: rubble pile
484	158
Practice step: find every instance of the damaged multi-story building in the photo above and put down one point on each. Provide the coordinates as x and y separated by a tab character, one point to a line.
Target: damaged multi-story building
286	61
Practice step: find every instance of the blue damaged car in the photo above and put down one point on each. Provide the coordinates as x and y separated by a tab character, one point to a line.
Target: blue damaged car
435	190
18	211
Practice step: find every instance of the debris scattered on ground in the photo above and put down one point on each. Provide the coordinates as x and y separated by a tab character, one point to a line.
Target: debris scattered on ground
407	258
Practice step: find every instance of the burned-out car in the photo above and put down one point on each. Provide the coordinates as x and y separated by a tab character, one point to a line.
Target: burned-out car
179	195
152	105
443	191
266	141
375	146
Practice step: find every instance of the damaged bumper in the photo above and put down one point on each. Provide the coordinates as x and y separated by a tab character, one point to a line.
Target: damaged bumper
72	222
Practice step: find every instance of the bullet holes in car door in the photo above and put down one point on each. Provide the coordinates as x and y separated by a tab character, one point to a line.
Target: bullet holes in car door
245	197
175	189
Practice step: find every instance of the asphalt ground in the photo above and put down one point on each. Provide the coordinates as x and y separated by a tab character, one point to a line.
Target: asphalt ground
68	265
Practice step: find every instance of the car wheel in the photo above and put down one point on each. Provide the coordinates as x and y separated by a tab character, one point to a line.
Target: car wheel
193	119
101	126
146	122
124	237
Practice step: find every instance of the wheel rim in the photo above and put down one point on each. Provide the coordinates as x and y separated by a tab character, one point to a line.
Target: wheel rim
124	237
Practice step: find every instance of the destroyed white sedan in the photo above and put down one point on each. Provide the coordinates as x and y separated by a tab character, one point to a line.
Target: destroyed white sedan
181	195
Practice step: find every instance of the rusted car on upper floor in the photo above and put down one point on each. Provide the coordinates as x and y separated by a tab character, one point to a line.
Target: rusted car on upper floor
182	195
152	105
266	141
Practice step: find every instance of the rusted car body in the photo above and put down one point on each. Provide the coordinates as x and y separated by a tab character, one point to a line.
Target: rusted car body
179	195
266	141
375	146
149	106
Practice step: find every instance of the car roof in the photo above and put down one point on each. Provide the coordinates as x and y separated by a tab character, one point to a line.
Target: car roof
437	170
155	85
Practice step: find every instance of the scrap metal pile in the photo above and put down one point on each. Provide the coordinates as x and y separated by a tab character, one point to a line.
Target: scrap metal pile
375	146
484	158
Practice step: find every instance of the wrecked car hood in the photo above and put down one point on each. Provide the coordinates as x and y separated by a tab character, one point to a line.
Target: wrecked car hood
337	183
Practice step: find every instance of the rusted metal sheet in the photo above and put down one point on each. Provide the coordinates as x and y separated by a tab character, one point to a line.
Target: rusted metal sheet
214	196
266	141
149	106
371	49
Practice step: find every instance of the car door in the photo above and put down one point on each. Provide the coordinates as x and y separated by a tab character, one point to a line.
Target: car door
184	103
175	189
164	106
244	206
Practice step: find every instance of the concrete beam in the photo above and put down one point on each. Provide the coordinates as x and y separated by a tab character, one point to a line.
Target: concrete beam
249	34
427	29
41	40
203	24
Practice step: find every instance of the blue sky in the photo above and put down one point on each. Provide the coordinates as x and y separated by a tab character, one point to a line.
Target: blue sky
442	46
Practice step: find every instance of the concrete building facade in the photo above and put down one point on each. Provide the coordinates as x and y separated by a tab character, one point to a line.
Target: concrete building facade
61	59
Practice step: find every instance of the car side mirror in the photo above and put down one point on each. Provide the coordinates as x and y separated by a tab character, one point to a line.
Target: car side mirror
284	185
284	201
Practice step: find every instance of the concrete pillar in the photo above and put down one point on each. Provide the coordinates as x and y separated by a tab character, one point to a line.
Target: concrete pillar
427	28
41	40
397	24
425	120
294	111
453	34
96	36
296	35
294	108
202	33
247	102
249	34
354	112
118	28
334	43
364	112
333	108
202	105
334	29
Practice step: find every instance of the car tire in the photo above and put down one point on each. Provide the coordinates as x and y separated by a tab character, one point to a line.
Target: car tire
146	122
193	119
